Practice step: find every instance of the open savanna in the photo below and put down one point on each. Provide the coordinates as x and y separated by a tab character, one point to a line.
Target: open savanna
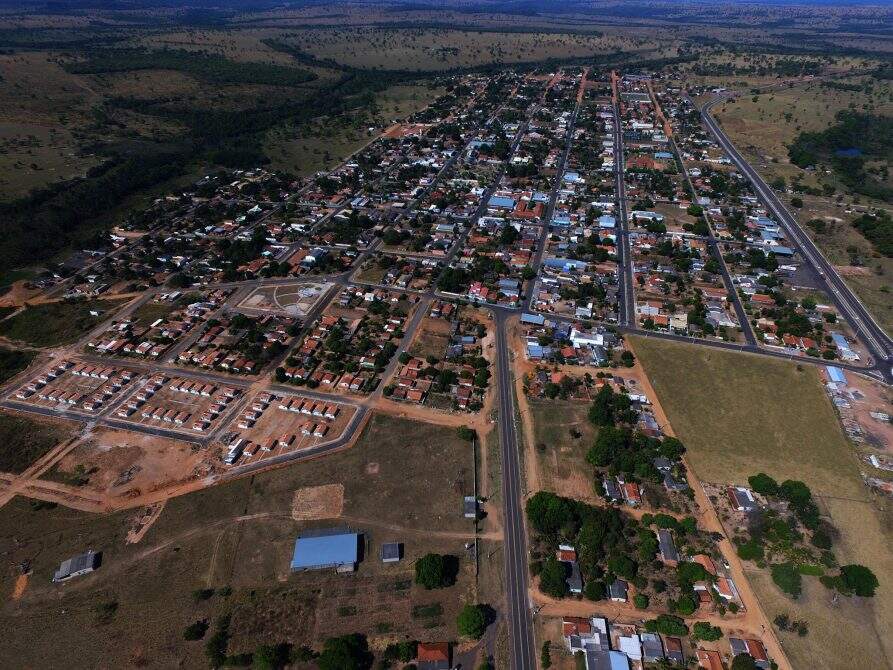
326	141
402	481
424	49
739	414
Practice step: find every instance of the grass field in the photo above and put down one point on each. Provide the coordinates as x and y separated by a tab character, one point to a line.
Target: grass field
400	483
55	323
740	414
25	440
561	457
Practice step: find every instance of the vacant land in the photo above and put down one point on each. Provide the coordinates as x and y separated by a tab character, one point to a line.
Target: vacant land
24	440
12	362
432	339
402	481
562	436
55	323
740	414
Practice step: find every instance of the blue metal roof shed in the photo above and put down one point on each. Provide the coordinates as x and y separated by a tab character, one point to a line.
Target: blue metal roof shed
332	548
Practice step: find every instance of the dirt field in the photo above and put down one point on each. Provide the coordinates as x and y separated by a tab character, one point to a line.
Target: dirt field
431	339
121	462
242	534
318	502
740	414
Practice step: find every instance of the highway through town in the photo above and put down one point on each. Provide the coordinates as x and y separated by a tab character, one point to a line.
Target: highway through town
866	328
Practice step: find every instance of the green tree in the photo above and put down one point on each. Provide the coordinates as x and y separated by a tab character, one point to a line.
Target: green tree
472	621
347	652
787	578
553	578
704	631
744	662
763	484
641	601
546	655
667	624
270	657
859	579
432	571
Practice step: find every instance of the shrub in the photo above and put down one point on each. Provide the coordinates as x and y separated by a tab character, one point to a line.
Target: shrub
595	590
472	622
195	631
641	601
763	484
434	571
859	579
553	578
751	550
667	624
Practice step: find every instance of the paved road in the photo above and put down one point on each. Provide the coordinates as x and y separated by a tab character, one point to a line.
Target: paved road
869	332
626	300
515	550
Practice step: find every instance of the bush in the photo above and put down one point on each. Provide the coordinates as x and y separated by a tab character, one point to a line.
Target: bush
546	656
553	578
744	662
641	601
345	652
595	590
821	539
751	550
195	631
787	578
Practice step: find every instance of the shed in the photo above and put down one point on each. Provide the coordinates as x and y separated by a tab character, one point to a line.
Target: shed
78	565
328	548
391	552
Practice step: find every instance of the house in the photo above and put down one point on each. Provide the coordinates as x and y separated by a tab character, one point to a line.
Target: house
567	555
78	565
673	647
652	648
750	646
709	660
327	548
433	656
612	491
631	646
618	591
470	507
742	499
668	552
391	552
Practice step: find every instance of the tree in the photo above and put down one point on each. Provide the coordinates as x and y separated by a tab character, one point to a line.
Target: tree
472	621
641	601
667	624
704	631
348	652
270	657
546	655
195	631
787	578
465	433
595	590
744	662
553	578
763	484
859	579
627	358
623	566
433	571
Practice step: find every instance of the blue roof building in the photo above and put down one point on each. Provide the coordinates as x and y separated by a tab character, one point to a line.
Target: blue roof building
501	202
329	548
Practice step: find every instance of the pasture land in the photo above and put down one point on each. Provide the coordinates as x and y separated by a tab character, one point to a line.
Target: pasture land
740	414
52	324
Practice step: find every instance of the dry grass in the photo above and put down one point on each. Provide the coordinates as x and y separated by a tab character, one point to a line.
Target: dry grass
561	457
739	414
318	502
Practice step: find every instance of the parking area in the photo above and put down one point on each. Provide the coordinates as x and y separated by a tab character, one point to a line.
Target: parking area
273	423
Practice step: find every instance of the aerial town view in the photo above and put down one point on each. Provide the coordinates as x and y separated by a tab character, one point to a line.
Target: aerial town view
481	334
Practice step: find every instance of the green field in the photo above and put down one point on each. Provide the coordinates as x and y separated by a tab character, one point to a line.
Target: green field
402	481
55	323
739	414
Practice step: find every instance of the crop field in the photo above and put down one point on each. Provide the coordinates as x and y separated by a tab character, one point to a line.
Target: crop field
740	414
241	535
